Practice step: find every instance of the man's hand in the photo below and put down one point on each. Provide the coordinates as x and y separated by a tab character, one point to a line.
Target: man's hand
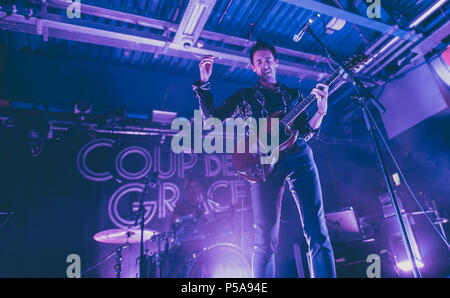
205	67
321	92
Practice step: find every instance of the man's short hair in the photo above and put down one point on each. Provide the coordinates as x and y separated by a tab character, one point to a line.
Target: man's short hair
261	45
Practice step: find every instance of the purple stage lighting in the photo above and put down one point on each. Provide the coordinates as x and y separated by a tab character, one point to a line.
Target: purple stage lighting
406	266
221	261
163	116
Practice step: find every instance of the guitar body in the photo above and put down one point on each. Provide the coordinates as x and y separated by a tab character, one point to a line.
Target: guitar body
249	165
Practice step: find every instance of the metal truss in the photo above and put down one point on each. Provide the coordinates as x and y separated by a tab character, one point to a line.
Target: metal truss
163	42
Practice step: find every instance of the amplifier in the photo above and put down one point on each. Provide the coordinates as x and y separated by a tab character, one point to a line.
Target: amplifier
343	225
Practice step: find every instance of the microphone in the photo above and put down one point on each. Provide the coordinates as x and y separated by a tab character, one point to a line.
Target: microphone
297	37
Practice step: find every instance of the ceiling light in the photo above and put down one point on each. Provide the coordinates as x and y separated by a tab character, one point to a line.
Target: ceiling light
427	13
197	12
163	116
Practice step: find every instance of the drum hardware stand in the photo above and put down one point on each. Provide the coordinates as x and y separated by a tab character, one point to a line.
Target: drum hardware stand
364	95
158	257
167	252
117	267
439	220
151	181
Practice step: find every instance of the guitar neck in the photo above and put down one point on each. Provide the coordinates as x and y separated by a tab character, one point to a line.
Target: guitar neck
300	107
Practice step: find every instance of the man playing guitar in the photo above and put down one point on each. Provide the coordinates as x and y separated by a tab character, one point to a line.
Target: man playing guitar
296	166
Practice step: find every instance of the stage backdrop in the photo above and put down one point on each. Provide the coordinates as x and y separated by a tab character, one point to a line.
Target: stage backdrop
79	186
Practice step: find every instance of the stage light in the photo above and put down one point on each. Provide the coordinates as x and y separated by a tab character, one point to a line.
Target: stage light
229	272
427	13
396	179
391	42
406	266
223	267
164	117
28	13
115	116
442	67
82	108
397	247
200	43
221	261
10	9
197	12
335	24
34	129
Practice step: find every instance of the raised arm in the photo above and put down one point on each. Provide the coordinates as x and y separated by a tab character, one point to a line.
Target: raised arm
202	90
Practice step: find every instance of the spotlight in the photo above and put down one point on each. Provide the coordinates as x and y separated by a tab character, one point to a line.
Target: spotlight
82	108
163	117
34	129
427	13
200	43
28	13
396	179
10	9
194	19
116	116
37	129
402	263
406	266
335	24
441	66
221	261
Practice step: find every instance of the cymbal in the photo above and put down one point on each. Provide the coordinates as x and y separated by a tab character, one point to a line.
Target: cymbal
122	236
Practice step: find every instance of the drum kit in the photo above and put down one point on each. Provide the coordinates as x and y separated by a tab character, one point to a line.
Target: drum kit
196	245
193	248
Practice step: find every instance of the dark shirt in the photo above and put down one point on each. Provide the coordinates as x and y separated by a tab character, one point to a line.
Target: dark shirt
257	102
273	100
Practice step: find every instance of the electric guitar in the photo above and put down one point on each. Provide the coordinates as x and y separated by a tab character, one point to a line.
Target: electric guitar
249	165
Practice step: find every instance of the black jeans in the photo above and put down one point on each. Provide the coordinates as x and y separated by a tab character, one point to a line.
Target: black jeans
298	168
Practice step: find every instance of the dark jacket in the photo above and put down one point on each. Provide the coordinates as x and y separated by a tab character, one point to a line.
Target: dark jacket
252	102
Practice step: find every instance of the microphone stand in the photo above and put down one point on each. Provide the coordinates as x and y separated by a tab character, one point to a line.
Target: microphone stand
150	182
364	95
